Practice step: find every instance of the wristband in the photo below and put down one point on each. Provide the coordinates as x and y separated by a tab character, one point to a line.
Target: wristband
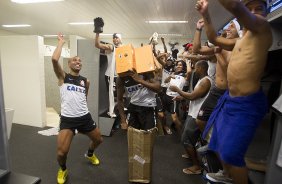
198	29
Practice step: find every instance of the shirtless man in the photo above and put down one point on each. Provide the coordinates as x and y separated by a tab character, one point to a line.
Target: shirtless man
222	58
241	109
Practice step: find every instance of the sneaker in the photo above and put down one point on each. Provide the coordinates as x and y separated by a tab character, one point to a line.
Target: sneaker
62	176
93	159
219	177
112	115
185	155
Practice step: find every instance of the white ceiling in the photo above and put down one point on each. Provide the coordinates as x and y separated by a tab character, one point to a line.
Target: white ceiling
123	16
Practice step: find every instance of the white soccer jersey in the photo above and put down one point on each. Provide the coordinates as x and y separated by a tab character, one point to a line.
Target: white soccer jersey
139	95
73	96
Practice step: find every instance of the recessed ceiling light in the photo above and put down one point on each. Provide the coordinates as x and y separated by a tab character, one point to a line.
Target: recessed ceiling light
166	21
33	1
81	23
50	36
106	34
16	25
170	34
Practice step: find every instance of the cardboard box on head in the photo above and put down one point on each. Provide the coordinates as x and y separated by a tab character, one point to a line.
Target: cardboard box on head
144	59
128	58
125	59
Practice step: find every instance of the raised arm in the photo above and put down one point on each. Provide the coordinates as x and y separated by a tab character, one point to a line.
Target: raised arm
101	45
197	47
55	60
200	91
250	21
163	41
227	44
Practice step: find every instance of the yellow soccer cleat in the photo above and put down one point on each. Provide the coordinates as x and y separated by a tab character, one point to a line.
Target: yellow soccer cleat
93	159
62	176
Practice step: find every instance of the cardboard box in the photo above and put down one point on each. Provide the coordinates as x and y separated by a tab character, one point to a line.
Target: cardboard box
124	59
140	154
144	59
128	58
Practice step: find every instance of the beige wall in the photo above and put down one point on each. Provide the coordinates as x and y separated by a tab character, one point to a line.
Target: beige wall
6	33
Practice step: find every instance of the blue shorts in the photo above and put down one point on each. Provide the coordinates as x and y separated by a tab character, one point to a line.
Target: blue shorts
234	122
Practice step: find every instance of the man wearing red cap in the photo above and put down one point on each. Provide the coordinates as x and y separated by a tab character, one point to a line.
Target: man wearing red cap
241	109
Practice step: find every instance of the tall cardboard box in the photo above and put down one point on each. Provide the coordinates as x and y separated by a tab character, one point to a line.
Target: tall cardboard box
144	59
140	154
125	59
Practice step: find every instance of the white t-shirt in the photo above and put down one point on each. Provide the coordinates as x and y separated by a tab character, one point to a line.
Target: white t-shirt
179	81
111	59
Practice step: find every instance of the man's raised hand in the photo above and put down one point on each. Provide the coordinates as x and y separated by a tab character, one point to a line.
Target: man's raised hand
202	6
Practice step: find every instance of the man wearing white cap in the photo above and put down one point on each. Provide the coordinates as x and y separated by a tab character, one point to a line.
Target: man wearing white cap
220	85
110	74
241	109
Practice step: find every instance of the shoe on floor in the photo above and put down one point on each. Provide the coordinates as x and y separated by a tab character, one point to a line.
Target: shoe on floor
93	159
112	115
185	155
191	171
219	177
203	149
62	176
168	131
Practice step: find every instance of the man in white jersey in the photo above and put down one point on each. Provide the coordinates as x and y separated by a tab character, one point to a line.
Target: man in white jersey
142	91
74	111
110	74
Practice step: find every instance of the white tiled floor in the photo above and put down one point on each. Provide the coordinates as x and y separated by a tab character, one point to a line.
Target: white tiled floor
52	117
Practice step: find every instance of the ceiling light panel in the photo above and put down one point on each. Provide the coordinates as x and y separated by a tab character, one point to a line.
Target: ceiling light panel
16	25
166	22
80	23
34	1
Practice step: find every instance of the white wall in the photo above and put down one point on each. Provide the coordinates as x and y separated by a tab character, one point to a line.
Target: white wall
137	42
72	42
22	60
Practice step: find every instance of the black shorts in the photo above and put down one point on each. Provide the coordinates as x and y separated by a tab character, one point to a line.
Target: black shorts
140	117
82	124
170	105
191	133
210	103
159	107
160	99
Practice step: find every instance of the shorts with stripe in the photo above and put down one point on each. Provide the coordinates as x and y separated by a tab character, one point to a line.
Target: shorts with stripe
170	105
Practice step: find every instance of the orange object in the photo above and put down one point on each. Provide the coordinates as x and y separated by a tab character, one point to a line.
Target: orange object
124	58
144	59
128	58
